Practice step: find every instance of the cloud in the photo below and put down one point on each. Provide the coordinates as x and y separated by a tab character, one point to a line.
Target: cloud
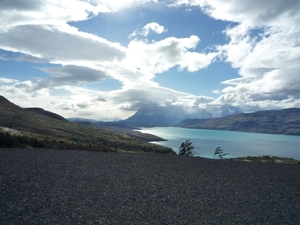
149	28
71	74
252	12
140	97
7	80
263	44
60	77
163	100
82	102
18	12
40	33
160	56
115	5
29	58
60	44
65	45
200	101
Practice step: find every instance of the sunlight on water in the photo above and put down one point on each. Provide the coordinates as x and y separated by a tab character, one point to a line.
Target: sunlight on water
237	144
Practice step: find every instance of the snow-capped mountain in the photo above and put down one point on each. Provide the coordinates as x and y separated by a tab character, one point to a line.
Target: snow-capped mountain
166	116
150	116
221	111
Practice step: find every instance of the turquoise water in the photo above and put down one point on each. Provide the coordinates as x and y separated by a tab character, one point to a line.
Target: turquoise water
237	144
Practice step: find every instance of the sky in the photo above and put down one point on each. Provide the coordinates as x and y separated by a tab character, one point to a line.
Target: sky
107	59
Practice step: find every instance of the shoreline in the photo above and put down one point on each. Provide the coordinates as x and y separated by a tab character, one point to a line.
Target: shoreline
236	144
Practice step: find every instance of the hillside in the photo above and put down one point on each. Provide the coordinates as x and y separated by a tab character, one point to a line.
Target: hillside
46	113
60	133
286	121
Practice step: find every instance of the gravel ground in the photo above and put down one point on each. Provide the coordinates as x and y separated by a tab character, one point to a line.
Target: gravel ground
79	187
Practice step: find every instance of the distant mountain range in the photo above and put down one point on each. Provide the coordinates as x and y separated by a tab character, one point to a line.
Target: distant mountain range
286	121
45	123
163	116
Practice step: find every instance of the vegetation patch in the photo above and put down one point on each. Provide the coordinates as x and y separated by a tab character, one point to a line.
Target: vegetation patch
268	159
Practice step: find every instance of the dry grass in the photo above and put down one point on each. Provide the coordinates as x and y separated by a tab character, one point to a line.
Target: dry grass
268	159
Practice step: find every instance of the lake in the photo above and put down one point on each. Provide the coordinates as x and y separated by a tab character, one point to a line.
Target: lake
236	144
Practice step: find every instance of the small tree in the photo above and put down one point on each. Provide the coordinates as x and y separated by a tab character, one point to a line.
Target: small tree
220	153
186	148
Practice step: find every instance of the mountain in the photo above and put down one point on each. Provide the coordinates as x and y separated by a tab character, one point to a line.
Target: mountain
221	111
33	120
79	120
163	116
286	121
150	117
53	131
46	113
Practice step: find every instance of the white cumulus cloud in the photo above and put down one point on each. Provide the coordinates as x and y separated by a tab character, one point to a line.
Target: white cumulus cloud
148	28
264	45
162	55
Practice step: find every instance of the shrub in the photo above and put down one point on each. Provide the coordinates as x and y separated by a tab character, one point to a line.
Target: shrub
220	153
186	148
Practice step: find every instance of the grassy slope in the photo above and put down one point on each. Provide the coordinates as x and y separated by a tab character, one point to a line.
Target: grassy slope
42	126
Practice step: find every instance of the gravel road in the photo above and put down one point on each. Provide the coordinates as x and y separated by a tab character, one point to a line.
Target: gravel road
39	186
